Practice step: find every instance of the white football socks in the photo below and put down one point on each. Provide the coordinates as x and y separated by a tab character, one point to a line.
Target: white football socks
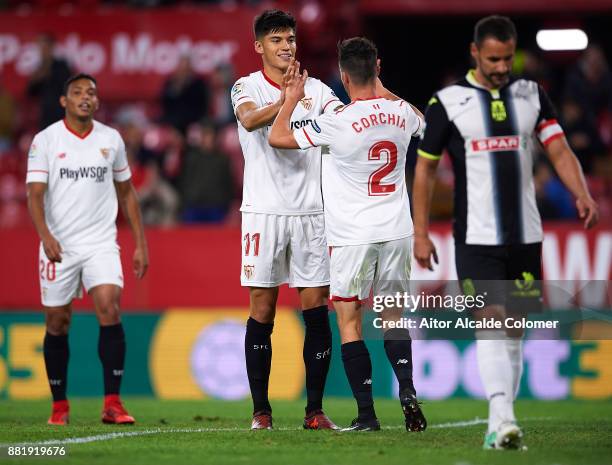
515	352
497	376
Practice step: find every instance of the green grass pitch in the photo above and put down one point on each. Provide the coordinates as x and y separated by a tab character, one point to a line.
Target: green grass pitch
215	432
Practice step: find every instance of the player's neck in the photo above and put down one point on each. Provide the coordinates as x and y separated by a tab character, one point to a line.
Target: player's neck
78	126
362	93
274	74
482	80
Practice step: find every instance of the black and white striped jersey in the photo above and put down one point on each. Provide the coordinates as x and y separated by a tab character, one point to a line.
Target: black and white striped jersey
491	138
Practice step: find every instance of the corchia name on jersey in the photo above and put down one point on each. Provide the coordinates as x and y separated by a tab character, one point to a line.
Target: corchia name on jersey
98	173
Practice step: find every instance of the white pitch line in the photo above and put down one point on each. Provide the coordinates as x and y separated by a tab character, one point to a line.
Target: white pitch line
148	432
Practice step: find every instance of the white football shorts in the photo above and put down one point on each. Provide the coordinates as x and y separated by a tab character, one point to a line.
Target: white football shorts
381	267
89	267
279	249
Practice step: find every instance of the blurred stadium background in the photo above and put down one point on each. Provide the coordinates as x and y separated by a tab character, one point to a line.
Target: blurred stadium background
164	71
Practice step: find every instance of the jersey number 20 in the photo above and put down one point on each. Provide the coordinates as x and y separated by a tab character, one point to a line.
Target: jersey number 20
377	151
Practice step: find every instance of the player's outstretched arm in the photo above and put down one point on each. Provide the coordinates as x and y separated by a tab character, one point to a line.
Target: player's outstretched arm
569	170
36	205
422	193
129	205
281	136
253	117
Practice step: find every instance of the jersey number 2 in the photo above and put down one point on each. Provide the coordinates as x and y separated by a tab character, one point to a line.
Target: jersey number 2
377	151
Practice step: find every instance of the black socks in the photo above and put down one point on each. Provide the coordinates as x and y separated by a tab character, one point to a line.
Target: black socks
258	354
358	367
111	350
398	347
56	353
317	354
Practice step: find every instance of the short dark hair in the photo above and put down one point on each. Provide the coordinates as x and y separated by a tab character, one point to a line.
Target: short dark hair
272	21
357	57
76	77
499	27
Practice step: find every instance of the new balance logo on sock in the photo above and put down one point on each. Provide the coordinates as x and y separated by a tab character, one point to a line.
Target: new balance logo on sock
402	361
55	382
368	381
496	394
117	372
260	347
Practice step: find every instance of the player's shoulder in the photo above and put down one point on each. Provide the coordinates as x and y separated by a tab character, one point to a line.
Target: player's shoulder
456	91
105	130
52	129
524	88
253	78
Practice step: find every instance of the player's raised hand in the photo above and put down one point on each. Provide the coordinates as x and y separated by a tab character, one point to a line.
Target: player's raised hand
294	86
587	211
288	72
424	250
141	262
52	248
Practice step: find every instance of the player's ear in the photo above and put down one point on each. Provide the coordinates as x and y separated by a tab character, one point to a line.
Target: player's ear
62	101
474	50
258	47
378	67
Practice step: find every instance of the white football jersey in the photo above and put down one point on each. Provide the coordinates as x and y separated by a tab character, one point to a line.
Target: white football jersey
80	202
281	182
364	188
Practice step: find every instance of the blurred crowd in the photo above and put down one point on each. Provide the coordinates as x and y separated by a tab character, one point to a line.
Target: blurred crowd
186	159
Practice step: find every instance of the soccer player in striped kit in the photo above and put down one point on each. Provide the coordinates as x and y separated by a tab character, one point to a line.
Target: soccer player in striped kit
490	124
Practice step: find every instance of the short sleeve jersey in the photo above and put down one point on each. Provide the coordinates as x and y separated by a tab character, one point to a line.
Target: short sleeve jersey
80	201
491	137
364	162
282	182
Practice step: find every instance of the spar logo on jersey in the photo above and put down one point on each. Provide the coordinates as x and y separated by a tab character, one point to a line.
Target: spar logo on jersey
300	124
496	144
97	173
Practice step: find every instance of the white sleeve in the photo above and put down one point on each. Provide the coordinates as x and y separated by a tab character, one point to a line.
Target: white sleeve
321	131
242	92
121	168
415	124
38	161
329	101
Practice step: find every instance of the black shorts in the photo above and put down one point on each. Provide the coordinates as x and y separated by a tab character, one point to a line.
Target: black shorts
511	275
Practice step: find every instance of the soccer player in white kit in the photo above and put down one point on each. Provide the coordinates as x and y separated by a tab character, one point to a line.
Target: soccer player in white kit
77	170
282	219
367	214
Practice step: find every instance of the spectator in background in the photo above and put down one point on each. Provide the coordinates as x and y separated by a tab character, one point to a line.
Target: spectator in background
47	81
222	80
553	199
582	135
590	82
184	97
205	182
159	201
7	119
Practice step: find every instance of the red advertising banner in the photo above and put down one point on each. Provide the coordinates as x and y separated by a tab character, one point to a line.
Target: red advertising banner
447	7
200	266
130	52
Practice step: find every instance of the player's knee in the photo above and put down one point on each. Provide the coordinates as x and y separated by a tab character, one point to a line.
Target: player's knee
57	323
263	312
108	312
